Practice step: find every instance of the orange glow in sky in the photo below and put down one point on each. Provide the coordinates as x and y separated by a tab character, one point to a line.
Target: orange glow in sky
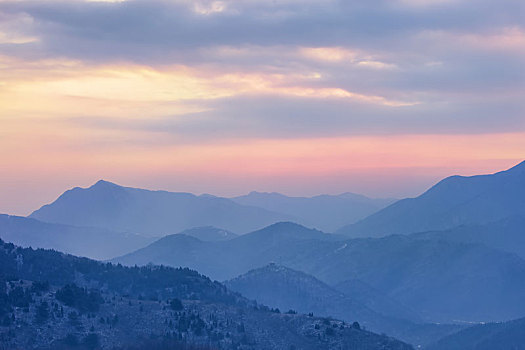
201	103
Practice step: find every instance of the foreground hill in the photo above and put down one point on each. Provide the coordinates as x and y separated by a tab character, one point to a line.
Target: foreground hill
325	212
456	200
90	242
490	336
49	300
155	213
442	281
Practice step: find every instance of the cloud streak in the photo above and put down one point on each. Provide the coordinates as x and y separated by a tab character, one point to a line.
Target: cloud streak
110	81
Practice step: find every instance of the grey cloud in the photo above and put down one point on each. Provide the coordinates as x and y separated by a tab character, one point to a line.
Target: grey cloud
271	117
155	30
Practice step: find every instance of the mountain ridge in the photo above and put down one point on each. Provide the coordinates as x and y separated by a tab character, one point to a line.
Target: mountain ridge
453	201
154	213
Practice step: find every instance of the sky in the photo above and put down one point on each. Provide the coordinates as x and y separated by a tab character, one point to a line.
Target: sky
382	97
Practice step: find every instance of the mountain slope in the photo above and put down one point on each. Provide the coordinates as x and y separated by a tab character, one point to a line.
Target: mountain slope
226	259
325	212
155	213
284	288
90	242
209	234
490	336
442	281
49	300
375	299
454	201
507	234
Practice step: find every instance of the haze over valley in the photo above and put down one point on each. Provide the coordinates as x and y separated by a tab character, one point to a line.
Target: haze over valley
262	175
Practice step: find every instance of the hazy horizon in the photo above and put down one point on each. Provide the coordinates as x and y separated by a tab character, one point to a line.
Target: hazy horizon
394	184
226	97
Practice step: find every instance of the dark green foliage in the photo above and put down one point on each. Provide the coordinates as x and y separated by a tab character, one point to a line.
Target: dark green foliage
79	298
165	344
71	340
5	305
176	304
91	341
39	287
356	325
20	297
42	312
152	281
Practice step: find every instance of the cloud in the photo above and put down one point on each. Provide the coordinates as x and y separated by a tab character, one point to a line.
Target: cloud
115	83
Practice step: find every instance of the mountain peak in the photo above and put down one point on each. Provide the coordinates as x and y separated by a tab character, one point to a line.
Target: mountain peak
104	183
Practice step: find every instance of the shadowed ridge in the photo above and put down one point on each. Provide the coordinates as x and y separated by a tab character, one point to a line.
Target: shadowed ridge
453	201
153	213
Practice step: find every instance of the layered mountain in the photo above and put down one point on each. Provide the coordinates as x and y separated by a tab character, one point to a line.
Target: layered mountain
49	300
291	290
443	281
154	213
375	299
227	259
278	286
325	212
489	336
209	234
506	234
91	242
456	200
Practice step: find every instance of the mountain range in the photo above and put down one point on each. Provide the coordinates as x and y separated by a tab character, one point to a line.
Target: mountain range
444	281
92	242
454	201
153	213
278	286
49	300
488	336
325	212
158	213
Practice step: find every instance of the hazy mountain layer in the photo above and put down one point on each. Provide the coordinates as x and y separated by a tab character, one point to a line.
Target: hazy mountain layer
284	288
155	213
507	234
454	201
490	336
91	242
442	281
209	234
324	212
49	300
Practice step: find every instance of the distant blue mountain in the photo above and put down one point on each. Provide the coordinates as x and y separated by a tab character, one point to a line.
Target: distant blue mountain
209	234
324	212
456	200
154	213
506	234
489	336
280	287
91	242
443	281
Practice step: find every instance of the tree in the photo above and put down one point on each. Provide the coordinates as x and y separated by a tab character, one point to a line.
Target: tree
91	341
42	312
176	305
